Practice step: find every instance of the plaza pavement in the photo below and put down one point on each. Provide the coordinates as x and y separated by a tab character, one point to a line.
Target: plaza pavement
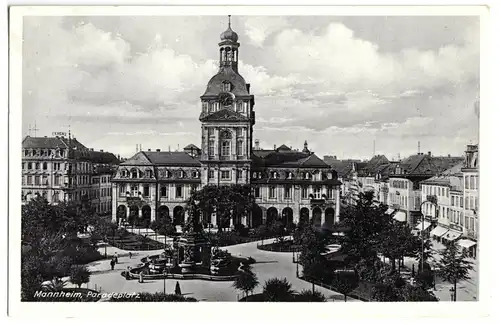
268	265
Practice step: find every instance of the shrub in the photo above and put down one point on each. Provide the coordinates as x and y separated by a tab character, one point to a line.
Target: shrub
277	289
308	295
79	274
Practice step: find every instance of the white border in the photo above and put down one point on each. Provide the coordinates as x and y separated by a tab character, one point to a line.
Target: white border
241	312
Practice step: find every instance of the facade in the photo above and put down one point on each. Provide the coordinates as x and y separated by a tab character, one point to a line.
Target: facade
405	194
454	216
289	184
59	168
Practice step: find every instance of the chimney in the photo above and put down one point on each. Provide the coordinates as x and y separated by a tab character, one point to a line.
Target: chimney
274	146
118	156
248	87
102	151
157	150
429	153
91	149
149	150
335	157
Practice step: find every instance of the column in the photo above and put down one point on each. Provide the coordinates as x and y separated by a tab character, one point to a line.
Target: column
244	220
322	217
213	219
231	223
153	212
216	143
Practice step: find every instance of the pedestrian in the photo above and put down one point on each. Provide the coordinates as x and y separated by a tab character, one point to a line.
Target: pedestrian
130	255
116	258
112	263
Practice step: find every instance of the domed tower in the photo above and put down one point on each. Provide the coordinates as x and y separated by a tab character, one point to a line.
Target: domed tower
227	119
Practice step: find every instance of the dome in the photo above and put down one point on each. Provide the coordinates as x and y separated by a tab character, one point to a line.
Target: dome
229	34
214	86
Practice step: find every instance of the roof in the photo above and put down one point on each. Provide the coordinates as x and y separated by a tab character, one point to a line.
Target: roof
290	159
371	166
162	158
284	148
422	164
238	84
451	177
52	143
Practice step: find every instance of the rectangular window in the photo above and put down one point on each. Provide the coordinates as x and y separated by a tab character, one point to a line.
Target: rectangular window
239	174
239	148
239	108
288	192
211	150
304	192
210	174
226	148
225	175
239	132
476	202
467	182
57	180
29	166
56	196
462	202
178	191
317	192
204	106
329	193
163	191
212	106
257	192
45	180
146	191
272	192
211	131
134	191
24	180
37	180
467	206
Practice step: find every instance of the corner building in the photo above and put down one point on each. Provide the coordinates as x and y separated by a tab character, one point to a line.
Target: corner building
289	184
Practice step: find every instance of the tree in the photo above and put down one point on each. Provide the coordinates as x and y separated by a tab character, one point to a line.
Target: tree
307	295
226	201
366	223
417	293
246	281
453	266
398	241
278	290
345	281
79	274
178	289
312	249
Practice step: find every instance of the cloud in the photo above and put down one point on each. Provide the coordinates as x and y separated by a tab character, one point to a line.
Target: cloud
327	81
258	29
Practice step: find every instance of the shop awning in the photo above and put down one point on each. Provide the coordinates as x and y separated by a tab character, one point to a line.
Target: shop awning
400	216
439	231
452	235
389	211
418	227
465	243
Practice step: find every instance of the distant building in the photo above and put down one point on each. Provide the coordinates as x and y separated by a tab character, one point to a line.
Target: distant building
61	169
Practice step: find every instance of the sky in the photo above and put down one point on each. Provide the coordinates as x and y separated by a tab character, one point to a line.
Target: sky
341	83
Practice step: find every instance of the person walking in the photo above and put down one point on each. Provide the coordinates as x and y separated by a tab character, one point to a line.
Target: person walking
130	255
116	258
112	263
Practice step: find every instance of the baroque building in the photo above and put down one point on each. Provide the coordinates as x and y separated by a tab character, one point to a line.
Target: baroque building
61	169
288	184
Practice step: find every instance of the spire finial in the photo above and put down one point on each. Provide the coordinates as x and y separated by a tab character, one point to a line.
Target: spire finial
229	17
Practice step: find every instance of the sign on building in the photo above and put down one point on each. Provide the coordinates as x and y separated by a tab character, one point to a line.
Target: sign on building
58	134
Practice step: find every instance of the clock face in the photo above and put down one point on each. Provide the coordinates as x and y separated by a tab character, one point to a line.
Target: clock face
226	99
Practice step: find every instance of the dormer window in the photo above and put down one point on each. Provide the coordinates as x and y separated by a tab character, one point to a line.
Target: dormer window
226	86
149	174
275	175
260	175
290	175
307	176
134	174
181	174
254	175
195	174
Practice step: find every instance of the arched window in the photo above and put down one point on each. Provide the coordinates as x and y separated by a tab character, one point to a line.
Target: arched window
254	175
275	175
226	86
45	165
290	175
